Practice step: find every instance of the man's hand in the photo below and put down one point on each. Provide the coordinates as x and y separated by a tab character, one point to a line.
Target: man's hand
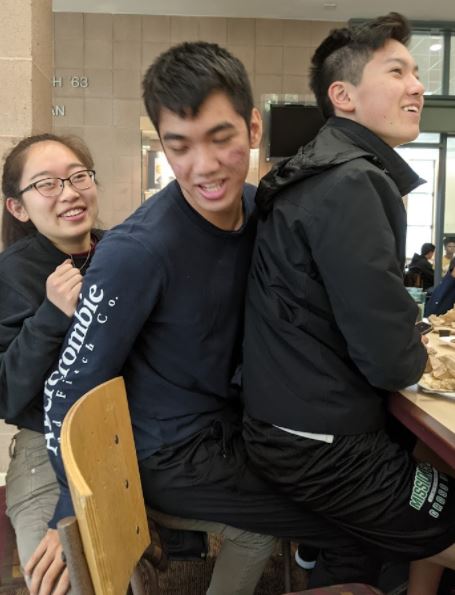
46	571
430	351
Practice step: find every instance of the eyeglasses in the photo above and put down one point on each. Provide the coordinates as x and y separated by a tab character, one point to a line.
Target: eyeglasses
53	187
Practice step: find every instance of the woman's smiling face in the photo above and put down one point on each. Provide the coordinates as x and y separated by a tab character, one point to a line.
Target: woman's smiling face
66	220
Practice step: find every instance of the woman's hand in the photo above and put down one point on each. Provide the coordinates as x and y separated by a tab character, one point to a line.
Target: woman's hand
63	287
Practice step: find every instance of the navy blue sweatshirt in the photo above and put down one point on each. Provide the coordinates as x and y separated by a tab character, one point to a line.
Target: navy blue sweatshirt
443	297
162	305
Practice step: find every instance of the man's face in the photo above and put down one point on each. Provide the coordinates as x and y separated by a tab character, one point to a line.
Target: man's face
450	249
209	155
389	98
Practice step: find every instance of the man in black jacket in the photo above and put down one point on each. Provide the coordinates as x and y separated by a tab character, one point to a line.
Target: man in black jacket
421	265
330	328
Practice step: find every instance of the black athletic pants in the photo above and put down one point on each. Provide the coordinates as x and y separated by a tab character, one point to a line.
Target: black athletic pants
209	477
369	486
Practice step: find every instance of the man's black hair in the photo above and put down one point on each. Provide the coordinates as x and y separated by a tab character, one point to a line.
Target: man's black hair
448	240
184	76
343	54
427	248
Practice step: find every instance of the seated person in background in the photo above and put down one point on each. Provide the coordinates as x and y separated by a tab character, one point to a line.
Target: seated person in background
421	265
443	297
449	247
324	344
50	209
167	287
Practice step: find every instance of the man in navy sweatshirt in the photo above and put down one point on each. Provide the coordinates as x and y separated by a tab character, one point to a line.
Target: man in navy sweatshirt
162	305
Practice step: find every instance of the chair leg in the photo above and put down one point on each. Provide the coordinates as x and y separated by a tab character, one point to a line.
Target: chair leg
81	583
137	584
144	580
286	550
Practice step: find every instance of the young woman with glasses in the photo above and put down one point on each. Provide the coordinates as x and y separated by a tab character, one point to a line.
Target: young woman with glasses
50	208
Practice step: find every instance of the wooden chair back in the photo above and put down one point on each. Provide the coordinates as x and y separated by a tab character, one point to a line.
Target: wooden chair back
413	279
103	475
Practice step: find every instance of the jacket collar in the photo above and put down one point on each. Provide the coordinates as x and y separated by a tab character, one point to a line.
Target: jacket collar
380	153
339	141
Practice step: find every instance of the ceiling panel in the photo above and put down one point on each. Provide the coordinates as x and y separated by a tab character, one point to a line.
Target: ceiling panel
335	10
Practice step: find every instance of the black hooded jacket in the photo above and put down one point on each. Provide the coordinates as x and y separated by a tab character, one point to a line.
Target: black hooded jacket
329	323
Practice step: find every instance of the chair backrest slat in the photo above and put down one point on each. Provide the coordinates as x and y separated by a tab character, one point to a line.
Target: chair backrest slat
103	475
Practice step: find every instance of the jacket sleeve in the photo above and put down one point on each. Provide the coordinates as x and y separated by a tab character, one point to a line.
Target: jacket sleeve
29	344
118	294
354	247
443	297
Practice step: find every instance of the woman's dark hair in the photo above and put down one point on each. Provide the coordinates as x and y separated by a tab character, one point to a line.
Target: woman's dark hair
12	228
342	56
184	76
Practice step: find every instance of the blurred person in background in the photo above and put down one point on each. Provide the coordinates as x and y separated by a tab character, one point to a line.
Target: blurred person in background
449	252
422	266
442	298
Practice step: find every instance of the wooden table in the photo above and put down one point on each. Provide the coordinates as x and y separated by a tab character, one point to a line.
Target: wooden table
430	418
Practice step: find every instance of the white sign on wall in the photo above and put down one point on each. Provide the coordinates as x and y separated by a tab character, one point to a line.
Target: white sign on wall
76	81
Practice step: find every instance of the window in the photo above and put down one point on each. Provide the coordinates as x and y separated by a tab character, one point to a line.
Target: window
449	215
420	203
428	52
452	65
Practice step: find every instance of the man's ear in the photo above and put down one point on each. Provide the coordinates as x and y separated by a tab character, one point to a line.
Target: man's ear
342	96
17	209
255	128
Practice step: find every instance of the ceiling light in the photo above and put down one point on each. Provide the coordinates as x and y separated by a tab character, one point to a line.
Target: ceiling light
435	47
330	5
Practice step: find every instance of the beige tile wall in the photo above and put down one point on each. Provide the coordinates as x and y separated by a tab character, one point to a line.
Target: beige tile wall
25	69
114	51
